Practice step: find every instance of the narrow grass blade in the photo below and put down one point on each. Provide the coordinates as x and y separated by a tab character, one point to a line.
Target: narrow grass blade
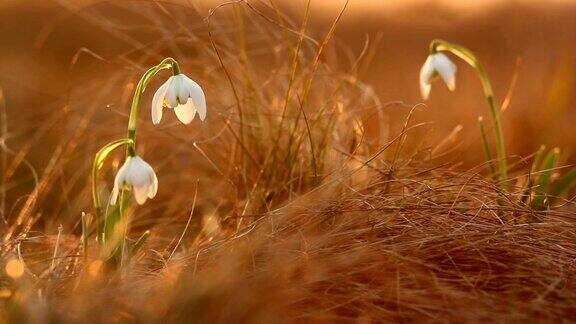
547	168
486	146
526	193
99	159
84	235
139	243
563	185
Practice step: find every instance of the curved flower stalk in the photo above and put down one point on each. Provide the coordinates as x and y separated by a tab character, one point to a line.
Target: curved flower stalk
99	159
443	68
138	176
436	65
183	95
167	63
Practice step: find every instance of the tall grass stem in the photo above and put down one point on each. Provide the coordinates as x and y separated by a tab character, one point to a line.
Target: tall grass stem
465	54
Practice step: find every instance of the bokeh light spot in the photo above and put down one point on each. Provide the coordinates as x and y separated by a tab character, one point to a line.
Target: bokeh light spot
14	269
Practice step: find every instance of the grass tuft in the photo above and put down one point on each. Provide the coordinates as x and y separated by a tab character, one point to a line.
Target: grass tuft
299	199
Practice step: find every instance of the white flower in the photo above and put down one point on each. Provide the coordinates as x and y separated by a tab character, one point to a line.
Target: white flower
437	64
137	175
183	95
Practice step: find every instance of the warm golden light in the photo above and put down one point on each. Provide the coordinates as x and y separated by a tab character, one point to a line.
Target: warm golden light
95	267
5	293
14	268
352	161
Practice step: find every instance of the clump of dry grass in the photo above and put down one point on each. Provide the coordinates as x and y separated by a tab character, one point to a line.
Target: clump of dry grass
425	245
306	210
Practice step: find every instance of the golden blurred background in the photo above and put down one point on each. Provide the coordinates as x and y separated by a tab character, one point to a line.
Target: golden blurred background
279	215
533	39
83	56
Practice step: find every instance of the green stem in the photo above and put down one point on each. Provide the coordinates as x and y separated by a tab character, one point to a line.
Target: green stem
99	159
132	125
97	204
527	192
135	107
130	143
84	237
465	54
486	146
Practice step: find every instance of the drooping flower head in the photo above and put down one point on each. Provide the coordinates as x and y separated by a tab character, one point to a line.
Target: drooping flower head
137	175
181	94
437	64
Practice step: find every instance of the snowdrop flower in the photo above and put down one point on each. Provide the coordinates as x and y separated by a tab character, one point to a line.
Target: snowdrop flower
138	176
437	64
183	95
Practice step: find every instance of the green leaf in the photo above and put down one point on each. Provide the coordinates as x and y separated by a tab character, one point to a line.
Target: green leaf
106	150
546	170
115	229
537	160
563	185
99	159
139	243
112	217
84	235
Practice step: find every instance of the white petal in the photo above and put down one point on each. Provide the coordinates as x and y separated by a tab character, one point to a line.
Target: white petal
119	180
158	102
141	177
425	88
114	196
121	175
426	73
141	194
151	181
182	91
153	189
186	112
171	94
198	98
132	171
447	70
138	172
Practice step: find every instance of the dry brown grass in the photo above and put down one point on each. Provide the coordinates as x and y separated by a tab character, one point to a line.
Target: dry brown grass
311	204
427	245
